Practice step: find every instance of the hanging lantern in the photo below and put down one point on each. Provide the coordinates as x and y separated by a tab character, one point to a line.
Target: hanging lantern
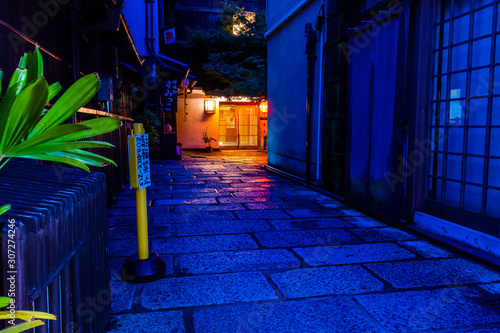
184	83
263	106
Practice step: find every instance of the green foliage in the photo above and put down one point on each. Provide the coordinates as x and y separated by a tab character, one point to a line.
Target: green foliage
28	130
31	318
150	121
232	64
207	138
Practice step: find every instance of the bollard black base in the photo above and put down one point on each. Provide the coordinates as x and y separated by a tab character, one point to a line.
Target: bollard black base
135	270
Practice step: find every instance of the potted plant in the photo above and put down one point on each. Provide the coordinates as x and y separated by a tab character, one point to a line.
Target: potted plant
150	121
208	140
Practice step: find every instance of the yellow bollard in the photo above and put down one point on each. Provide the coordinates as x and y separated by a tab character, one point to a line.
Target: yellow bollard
140	196
141	267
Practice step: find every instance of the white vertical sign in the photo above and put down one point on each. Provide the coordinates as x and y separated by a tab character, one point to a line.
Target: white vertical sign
143	172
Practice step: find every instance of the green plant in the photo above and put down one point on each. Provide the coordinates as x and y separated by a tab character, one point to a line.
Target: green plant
31	318
28	130
207	138
228	62
150	121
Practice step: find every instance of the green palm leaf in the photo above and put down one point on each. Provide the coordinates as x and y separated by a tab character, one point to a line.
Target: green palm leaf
24	134
60	146
22	327
60	159
4	301
19	76
97	126
54	89
24	113
53	134
3	209
75	97
86	157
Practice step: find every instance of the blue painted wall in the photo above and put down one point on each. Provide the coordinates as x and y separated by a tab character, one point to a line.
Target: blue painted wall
287	88
134	12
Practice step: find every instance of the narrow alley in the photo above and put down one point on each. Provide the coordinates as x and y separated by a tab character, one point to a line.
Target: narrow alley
248	250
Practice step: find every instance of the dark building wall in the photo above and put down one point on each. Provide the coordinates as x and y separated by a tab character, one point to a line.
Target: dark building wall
441	158
47	25
287	85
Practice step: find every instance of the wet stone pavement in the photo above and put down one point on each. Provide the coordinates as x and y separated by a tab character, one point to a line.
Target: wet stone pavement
250	251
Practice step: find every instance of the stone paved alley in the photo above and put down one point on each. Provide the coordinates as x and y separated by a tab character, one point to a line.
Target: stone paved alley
248	250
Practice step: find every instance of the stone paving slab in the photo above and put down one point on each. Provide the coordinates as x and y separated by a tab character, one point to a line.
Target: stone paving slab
229	262
122	296
353	254
208	208
233	200
365	222
444	272
131	231
261	214
222	227
206	290
204	244
274	239
304	197
192	201
492	288
426	249
352	212
315	212
310	223
122	247
192	217
332	315
281	205
424	310
195	195
149	322
382	234
326	281
122	221
127	204
252	192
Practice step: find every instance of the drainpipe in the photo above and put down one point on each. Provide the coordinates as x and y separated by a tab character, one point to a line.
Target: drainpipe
149	21
150	28
311	38
320	25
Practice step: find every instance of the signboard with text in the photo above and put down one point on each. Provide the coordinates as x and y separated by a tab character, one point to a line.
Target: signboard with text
169	96
140	175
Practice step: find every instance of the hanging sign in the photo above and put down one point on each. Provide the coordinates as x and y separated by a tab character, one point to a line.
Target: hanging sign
169	98
169	36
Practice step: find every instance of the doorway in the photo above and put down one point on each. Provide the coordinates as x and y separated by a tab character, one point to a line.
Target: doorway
238	125
377	128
